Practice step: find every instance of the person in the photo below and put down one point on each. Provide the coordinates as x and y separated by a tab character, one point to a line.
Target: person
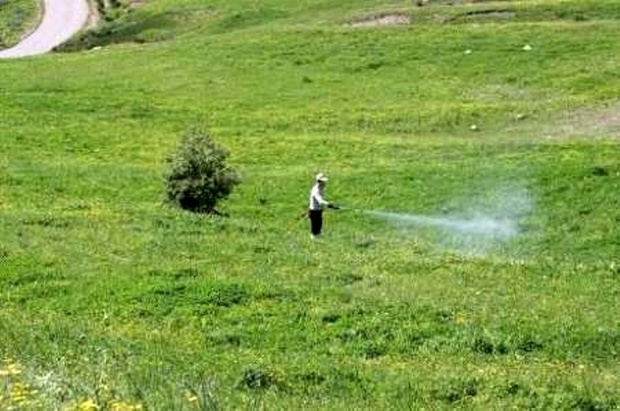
317	202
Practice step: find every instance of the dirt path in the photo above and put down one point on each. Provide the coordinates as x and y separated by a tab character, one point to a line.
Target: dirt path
61	20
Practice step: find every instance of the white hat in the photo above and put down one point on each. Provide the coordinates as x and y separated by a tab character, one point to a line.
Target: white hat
321	177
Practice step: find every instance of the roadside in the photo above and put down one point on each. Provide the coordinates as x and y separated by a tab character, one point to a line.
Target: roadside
18	18
61	20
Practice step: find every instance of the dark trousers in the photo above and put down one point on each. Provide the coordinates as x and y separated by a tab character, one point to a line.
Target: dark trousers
316	221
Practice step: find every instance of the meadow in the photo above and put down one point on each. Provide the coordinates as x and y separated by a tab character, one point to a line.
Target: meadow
112	299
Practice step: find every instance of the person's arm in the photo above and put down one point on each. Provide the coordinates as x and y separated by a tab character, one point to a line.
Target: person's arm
319	198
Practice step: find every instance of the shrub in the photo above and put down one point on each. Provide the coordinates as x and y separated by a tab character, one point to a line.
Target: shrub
257	379
197	176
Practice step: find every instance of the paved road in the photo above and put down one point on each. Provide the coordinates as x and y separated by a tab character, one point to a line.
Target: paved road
62	19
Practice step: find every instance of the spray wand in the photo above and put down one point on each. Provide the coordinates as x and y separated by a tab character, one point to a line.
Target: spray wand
346	208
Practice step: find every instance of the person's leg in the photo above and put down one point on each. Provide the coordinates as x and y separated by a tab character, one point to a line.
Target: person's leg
312	223
316	222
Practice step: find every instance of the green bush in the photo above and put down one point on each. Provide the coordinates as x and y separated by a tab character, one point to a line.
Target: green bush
197	176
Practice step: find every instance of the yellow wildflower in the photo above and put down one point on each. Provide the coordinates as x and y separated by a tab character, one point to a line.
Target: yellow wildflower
88	405
191	397
10	370
21	393
124	406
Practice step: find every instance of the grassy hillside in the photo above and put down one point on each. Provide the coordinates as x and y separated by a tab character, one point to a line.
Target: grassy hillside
16	18
110	297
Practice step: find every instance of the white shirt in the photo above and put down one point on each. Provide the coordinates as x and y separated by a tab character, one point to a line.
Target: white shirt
316	198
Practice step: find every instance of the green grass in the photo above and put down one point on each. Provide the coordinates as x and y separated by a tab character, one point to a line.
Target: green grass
16	18
107	293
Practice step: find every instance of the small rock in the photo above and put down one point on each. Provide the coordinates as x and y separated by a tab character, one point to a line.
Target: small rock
527	47
473	127
468	51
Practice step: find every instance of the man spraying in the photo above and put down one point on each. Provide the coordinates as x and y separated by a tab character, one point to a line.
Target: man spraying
317	202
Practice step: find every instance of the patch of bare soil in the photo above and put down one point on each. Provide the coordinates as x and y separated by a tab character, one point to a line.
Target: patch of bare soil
593	122
381	20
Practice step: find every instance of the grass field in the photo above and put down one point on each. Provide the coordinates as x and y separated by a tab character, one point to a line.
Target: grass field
16	18
110	298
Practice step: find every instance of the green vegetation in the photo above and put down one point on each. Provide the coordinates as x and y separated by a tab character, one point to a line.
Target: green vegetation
16	18
109	296
198	177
